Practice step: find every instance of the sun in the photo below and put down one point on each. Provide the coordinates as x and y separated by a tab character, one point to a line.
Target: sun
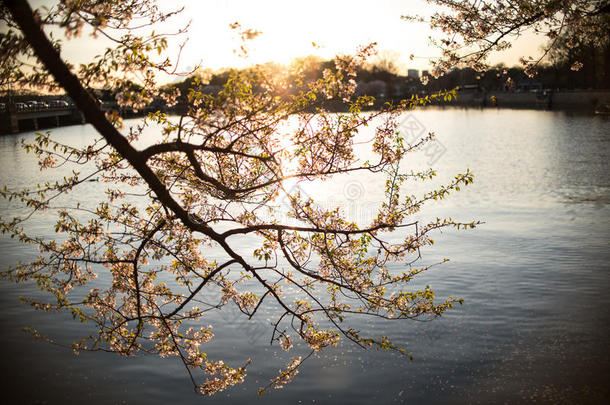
291	30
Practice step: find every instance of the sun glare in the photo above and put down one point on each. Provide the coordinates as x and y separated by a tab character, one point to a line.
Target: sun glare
290	30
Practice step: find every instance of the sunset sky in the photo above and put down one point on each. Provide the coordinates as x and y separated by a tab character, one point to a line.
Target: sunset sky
289	28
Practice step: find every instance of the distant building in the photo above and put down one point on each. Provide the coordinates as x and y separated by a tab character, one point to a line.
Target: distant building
469	87
528	86
375	88
414	73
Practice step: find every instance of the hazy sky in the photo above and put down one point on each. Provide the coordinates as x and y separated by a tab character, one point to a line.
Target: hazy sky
289	28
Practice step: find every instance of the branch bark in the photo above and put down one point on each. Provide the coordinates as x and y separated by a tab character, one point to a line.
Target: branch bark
27	21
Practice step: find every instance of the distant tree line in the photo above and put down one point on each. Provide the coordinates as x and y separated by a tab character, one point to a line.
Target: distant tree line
381	79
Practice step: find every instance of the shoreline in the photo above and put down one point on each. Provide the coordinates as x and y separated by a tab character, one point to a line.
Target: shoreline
584	102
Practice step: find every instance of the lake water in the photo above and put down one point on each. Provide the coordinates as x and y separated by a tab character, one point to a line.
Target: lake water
535	279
